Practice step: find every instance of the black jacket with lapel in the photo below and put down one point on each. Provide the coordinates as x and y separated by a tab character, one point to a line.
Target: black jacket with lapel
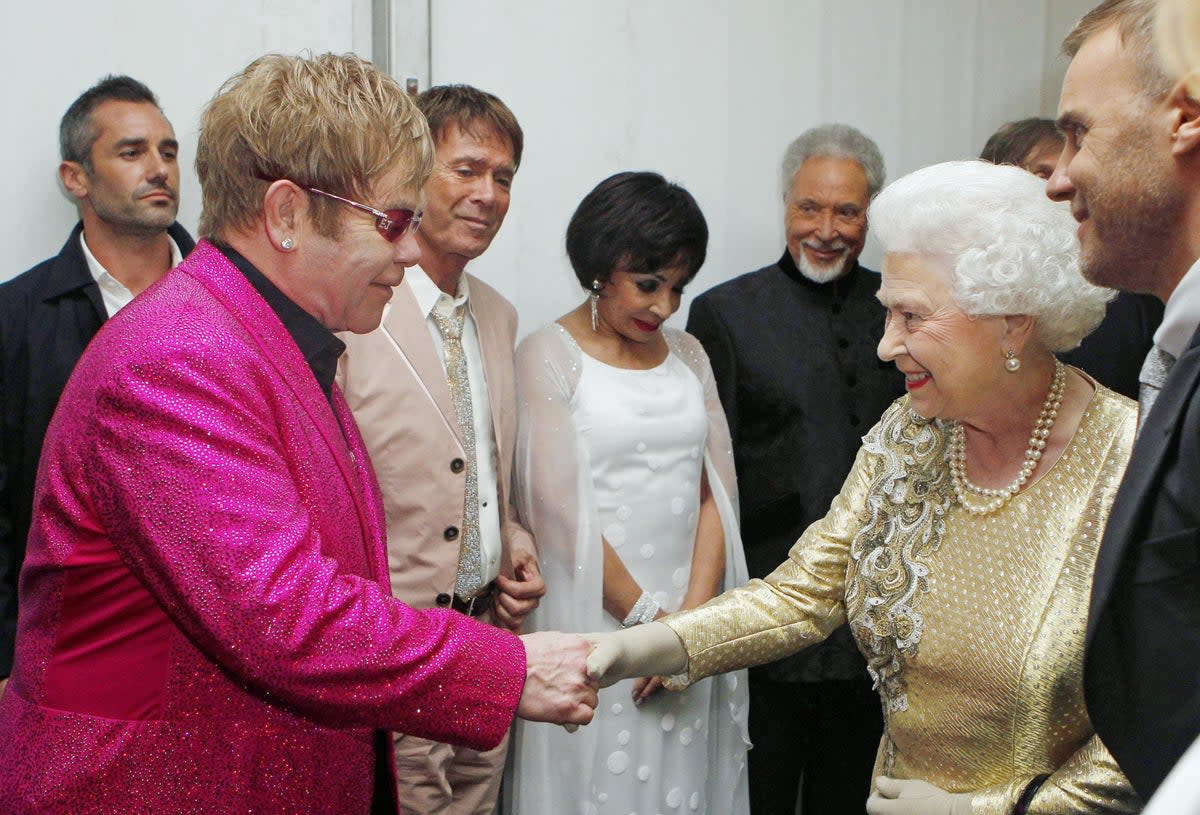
48	315
1142	666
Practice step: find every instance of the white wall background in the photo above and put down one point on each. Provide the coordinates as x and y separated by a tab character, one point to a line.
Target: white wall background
708	92
51	51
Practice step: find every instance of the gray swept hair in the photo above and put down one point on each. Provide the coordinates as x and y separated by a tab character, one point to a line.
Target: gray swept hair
1010	248
836	141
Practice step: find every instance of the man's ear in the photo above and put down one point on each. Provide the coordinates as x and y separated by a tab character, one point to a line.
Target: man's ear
74	178
1185	120
284	205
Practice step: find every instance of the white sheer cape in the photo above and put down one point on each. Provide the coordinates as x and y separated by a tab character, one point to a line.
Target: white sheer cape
552	486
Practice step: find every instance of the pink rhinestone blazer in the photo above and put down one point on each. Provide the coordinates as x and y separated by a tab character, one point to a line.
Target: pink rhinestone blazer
206	624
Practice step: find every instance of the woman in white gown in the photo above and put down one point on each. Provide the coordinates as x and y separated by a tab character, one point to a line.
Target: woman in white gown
624	474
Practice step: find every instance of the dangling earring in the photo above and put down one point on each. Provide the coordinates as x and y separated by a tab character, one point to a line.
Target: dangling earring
594	297
1011	363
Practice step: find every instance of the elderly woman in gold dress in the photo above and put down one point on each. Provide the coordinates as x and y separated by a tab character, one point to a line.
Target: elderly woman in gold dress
961	546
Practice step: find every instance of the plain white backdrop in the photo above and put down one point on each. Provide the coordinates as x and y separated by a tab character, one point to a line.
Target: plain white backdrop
707	92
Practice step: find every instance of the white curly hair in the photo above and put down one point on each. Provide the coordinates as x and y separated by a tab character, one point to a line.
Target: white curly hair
1010	248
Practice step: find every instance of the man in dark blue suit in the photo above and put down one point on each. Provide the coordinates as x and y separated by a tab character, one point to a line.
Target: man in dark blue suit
793	350
119	163
1131	170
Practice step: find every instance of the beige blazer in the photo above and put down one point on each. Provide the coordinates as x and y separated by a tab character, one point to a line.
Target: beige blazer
396	386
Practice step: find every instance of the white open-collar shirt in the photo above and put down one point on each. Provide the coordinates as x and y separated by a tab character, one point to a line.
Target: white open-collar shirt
1181	315
113	291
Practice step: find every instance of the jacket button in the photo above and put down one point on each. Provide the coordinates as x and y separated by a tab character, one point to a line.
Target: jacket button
443	599
451	533
457	465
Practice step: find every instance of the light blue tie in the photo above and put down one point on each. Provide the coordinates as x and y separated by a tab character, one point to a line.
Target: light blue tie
1150	381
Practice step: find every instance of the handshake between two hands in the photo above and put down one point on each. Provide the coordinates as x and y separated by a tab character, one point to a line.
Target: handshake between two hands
564	672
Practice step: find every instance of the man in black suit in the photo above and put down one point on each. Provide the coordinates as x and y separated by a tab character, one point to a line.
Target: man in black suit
119	162
1131	170
793	350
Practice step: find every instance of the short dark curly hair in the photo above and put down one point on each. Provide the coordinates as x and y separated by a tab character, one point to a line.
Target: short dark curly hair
638	222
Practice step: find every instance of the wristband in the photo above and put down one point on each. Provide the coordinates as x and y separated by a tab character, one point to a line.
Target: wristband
643	611
1026	799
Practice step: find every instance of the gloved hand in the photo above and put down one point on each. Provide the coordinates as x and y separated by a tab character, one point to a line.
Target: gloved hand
652	649
895	796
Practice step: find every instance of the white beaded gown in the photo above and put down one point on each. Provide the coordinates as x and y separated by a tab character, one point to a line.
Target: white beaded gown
642	440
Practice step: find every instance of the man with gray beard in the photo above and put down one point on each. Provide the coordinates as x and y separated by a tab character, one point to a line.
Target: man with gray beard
793	350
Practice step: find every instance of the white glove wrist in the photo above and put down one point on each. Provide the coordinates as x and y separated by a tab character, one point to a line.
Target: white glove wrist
894	796
644	650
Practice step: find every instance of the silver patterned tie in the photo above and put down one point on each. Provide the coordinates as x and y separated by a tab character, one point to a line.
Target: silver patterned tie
1150	381
470	568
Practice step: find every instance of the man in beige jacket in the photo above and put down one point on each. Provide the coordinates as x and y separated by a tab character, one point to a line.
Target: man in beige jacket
432	392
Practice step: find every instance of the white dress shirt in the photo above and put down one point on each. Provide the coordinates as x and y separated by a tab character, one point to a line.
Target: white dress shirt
429	297
1182	314
113	291
1179	792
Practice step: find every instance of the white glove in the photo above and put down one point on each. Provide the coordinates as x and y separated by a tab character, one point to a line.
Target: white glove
652	649
894	796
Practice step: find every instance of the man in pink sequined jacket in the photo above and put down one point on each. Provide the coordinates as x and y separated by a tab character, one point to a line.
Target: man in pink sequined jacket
206	621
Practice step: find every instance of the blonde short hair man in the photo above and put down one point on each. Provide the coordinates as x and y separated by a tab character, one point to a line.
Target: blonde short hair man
1131	171
206	620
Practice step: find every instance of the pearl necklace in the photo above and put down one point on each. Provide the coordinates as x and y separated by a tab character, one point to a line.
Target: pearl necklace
996	498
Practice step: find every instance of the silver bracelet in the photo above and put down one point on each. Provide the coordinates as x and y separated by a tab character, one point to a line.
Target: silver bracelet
643	611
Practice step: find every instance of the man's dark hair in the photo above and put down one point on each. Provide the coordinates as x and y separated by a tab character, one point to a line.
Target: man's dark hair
1014	141
636	222
76	132
470	109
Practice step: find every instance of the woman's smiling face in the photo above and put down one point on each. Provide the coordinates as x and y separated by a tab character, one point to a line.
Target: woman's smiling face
952	362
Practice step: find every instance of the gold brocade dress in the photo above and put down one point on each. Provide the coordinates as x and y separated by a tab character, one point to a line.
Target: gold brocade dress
973	627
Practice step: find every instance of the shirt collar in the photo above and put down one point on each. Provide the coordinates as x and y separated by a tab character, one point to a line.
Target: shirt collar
836	286
429	296
101	275
317	343
1182	314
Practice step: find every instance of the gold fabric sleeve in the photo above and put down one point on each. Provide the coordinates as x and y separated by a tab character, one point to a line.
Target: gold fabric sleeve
1088	782
795	606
